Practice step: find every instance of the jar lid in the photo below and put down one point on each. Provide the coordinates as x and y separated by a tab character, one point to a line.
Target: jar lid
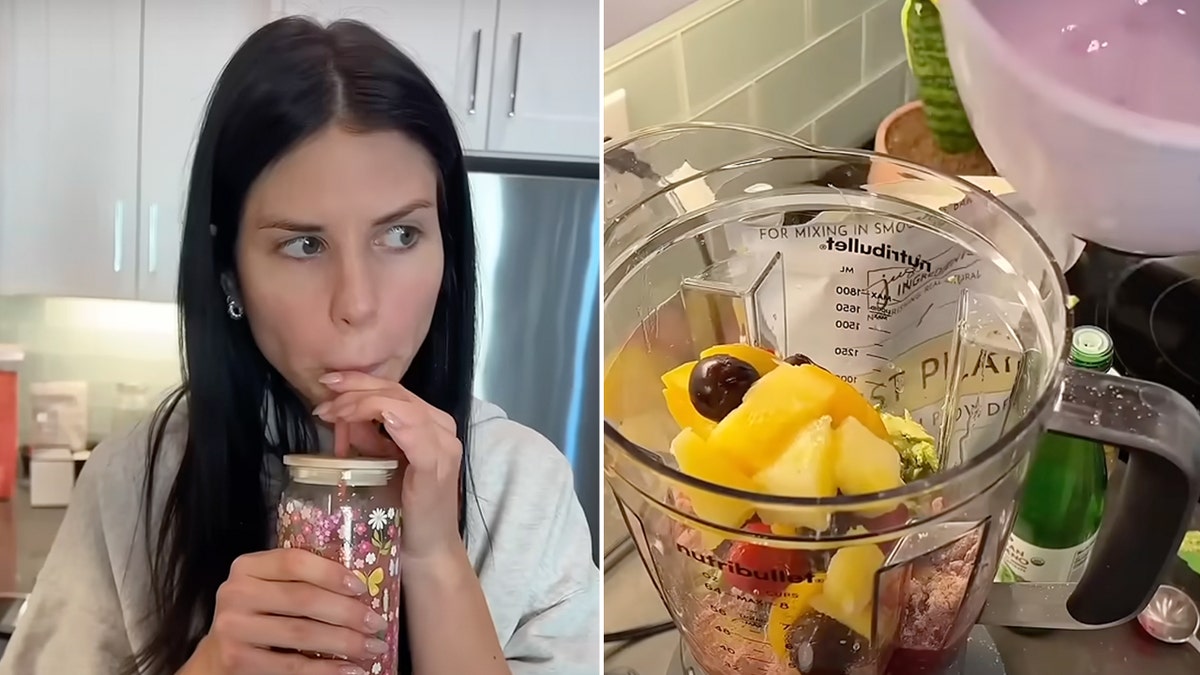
340	463
349	471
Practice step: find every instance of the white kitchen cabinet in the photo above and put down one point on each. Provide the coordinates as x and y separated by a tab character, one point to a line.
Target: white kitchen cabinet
68	199
451	40
546	82
521	77
102	107
186	45
101	104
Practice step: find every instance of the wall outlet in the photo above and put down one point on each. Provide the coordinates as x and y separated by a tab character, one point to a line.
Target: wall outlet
616	116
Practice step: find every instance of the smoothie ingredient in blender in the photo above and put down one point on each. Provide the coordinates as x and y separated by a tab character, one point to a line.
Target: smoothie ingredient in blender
718	384
786	433
918	455
798	360
823	646
933	602
699	459
785	566
866	463
795	430
1059	513
807	468
786	611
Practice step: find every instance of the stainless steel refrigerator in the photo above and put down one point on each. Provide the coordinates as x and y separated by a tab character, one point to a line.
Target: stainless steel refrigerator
538	252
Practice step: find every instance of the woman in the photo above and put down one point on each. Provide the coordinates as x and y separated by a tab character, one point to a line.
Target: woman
327	275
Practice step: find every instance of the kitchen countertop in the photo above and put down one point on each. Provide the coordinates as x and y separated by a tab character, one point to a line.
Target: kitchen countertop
630	600
26	534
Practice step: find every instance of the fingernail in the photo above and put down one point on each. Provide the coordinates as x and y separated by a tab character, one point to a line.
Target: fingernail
390	419
351	670
374	646
375	623
355	585
330	378
322	409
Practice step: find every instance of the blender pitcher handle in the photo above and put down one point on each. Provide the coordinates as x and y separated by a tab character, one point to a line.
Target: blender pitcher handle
1142	528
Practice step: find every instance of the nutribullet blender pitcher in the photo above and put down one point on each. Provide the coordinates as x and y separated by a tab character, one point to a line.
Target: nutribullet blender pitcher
932	299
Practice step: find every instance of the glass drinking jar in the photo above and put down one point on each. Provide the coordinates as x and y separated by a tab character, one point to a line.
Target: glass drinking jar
343	510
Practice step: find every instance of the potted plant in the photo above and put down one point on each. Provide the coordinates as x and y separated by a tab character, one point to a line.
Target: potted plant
934	130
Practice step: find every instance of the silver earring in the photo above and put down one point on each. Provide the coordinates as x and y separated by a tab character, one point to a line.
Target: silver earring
235	309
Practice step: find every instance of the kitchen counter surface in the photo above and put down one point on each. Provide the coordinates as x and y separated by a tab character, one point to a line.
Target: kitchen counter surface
630	600
26	534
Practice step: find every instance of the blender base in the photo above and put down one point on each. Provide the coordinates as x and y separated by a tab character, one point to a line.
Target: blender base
980	658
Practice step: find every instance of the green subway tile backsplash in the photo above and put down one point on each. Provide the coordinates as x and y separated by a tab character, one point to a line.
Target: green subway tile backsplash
779	64
103	342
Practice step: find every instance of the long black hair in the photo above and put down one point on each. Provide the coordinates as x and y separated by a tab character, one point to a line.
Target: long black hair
289	80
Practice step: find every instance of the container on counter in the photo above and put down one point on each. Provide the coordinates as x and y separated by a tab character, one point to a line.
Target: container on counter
1058	515
132	406
343	510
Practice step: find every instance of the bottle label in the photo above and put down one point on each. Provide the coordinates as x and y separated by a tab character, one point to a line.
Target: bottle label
1022	561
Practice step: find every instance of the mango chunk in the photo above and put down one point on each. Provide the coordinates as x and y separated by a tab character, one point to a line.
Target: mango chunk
699	459
850	582
772	412
865	462
848	403
858	621
805	469
679	402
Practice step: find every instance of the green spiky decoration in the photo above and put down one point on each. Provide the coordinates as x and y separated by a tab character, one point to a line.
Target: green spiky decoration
926	48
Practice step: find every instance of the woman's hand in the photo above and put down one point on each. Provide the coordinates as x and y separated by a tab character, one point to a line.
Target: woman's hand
423	438
287	599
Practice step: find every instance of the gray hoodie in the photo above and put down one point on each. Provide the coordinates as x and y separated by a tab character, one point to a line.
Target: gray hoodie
83	616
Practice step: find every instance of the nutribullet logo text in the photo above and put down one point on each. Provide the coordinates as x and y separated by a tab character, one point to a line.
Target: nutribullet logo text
884	251
776	574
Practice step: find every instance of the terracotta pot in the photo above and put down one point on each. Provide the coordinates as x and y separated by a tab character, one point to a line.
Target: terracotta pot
885	173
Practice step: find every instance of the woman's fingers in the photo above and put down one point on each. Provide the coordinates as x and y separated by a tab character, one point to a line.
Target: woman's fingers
429	455
298	599
429	447
291	564
285	632
356	381
367	440
239	657
353	386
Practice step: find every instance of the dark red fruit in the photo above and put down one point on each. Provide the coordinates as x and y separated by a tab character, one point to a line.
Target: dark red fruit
799	360
894	519
825	647
891	520
763	570
922	661
718	384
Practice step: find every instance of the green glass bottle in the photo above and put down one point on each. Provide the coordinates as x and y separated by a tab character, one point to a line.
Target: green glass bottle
1060	510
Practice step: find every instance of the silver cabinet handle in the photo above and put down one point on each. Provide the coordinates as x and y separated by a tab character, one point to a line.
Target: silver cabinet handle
478	40
153	237
512	95
118	233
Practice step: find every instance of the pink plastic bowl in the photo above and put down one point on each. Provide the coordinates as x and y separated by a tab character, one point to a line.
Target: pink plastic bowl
1105	173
